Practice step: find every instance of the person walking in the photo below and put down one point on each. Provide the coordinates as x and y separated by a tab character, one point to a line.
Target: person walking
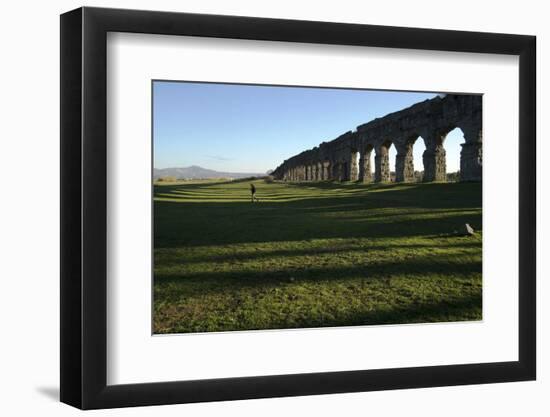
253	193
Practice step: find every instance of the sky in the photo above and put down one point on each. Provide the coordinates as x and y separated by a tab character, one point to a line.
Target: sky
251	128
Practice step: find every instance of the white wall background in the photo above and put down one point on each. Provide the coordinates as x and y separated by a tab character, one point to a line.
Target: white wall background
29	226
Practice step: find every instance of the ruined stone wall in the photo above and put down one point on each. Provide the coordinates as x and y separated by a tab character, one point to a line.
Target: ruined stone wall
347	158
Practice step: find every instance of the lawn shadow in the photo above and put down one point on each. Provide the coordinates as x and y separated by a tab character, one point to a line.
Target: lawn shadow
178	225
176	259
215	251
209	282
191	221
464	308
459	309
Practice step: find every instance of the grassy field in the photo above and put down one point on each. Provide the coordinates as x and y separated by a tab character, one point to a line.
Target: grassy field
314	255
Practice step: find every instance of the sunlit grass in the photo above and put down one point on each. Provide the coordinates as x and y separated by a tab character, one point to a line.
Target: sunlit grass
314	255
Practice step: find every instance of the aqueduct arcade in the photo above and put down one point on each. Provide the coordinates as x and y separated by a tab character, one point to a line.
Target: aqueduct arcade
348	157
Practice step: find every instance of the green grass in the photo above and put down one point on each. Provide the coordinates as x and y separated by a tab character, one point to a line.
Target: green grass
314	255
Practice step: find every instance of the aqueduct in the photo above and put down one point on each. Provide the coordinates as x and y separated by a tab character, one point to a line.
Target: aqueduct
348	157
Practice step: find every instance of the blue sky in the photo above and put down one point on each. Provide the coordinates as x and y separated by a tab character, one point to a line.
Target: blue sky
250	128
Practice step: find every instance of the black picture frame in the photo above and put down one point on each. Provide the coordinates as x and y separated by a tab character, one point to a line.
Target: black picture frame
84	207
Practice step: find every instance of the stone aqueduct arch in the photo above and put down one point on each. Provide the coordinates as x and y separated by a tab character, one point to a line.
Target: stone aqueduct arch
430	120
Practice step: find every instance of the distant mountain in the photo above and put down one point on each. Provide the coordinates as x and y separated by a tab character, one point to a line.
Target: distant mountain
196	172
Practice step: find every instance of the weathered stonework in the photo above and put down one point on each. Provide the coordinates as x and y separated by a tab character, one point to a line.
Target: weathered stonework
382	164
354	172
326	170
471	162
432	120
365	170
404	164
435	164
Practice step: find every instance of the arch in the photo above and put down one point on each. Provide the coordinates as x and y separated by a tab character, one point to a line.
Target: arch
335	170
432	120
356	166
418	149
345	169
453	143
353	165
409	165
392	159
365	164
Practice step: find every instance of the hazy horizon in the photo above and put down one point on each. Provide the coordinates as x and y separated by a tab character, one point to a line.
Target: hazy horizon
205	167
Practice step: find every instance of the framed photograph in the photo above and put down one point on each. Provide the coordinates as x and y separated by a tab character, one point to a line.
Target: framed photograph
257	208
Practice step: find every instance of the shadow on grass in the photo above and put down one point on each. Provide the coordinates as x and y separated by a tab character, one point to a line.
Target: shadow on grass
177	227
403	211
176	259
416	217
209	282
466	307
